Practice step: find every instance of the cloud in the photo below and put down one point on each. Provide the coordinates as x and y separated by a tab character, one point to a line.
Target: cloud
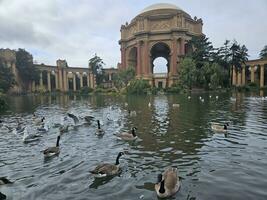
75	30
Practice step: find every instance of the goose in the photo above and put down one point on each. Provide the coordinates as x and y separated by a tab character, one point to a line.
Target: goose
168	183
219	128
107	169
88	119
2	196
39	121
128	136
99	130
51	151
175	105
4	180
63	129
72	116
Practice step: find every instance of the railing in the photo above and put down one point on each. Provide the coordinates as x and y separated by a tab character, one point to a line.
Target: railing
160	75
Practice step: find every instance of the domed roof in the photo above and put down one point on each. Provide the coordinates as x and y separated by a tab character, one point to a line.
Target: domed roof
160	6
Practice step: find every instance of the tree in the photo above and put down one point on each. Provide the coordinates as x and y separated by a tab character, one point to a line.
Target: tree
26	69
123	77
188	72
6	77
202	50
213	75
96	64
263	53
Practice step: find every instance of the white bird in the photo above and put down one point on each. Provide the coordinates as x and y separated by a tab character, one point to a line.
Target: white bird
168	183
176	105
217	97
125	104
210	96
29	135
149	104
189	97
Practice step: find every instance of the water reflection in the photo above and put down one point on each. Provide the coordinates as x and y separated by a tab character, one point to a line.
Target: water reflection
211	165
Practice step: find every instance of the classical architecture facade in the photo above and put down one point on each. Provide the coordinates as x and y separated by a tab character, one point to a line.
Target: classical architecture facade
56	78
254	71
161	30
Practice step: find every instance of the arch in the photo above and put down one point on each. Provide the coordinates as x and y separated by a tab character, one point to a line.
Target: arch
132	58
160	49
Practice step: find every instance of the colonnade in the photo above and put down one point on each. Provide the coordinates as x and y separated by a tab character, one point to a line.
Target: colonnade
247	74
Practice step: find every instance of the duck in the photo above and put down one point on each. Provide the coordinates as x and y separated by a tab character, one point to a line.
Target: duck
107	169
175	105
219	128
128	136
51	151
168	183
2	196
72	116
99	130
4	181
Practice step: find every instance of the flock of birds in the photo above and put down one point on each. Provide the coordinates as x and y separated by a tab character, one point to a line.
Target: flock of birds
168	183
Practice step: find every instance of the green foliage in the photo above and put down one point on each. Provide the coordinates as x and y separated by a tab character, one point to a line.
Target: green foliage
213	75
26	69
239	55
86	90
188	73
96	64
263	53
6	77
138	86
124	76
3	103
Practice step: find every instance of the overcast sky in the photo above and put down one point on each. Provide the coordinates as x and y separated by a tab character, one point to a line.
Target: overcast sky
76	29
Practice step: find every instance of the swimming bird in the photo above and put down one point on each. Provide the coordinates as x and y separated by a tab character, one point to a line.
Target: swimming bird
99	130
88	119
39	121
125	104
4	180
210	96
189	97
29	135
72	116
107	169
168	183
2	196
149	104
51	151
219	128
128	136
132	113
202	100
175	105
63	129
217	97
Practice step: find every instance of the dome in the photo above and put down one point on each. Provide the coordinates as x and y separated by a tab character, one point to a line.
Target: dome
160	6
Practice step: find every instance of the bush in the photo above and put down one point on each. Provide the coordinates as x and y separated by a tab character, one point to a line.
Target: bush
138	86
86	90
173	90
252	84
3	103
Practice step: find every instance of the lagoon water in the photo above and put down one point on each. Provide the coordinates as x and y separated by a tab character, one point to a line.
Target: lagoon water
211	165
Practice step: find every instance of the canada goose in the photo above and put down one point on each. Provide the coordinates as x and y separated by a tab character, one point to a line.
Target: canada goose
72	116
99	130
4	180
175	105
220	128
107	169
51	151
2	196
128	136
39	121
168	183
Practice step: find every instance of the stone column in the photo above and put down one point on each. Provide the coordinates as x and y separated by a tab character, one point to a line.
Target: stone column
41	80
262	76
56	80
239	78
182	49
60	80
243	75
74	82
81	80
88	80
65	81
252	74
173	69
234	76
109	77
138	70
92	81
48	81
146	68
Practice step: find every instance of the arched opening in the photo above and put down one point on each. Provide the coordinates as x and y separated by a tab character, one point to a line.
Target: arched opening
161	51
132	58
160	64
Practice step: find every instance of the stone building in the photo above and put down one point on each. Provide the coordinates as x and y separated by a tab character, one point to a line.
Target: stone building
160	30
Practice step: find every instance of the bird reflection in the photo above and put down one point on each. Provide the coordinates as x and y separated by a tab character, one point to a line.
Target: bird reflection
101	181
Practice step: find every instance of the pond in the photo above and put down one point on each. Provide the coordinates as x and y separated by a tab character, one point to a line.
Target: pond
211	165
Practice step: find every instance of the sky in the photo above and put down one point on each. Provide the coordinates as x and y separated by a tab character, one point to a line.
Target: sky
77	29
